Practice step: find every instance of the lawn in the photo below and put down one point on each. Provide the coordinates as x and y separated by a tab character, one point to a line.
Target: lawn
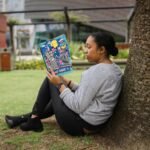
18	90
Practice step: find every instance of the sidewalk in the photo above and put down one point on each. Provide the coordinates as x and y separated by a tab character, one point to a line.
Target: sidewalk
18	58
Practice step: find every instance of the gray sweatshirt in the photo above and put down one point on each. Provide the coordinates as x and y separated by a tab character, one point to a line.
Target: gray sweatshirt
96	96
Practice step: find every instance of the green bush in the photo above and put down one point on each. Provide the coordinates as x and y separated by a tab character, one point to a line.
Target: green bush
30	64
123	54
77	50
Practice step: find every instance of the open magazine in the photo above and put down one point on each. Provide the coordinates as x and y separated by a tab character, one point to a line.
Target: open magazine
56	55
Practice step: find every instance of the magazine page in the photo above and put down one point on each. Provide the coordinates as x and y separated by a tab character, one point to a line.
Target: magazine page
56	55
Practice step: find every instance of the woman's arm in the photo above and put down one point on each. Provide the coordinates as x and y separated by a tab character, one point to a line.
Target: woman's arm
69	83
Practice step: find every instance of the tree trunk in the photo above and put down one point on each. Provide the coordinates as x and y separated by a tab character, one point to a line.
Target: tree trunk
131	120
69	31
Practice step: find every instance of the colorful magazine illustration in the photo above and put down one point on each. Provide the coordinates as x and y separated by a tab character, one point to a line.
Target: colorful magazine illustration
56	55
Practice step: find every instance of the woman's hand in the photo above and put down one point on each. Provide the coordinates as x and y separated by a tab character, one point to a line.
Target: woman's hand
65	80
56	80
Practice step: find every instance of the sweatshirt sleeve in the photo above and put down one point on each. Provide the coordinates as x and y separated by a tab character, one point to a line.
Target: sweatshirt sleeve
74	86
79	100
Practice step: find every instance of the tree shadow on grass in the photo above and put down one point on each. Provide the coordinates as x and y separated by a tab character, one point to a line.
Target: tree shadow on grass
52	138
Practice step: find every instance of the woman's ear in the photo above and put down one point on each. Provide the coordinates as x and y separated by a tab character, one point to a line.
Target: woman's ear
101	50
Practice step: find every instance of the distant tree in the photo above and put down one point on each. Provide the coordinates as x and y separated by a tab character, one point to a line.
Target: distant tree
11	23
72	17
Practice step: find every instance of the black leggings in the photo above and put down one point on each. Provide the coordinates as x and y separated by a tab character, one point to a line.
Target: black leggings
49	103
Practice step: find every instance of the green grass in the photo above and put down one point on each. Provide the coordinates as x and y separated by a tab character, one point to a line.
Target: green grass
18	91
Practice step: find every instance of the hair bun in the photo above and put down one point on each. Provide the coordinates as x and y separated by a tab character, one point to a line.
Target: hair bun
114	51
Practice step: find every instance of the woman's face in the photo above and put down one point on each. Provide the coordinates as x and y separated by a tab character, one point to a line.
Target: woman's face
92	53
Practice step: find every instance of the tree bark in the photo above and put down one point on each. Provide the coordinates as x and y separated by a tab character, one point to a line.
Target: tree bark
130	124
69	32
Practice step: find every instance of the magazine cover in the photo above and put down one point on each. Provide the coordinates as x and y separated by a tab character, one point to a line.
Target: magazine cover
56	55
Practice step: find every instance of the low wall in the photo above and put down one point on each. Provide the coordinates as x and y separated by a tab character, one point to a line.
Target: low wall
80	64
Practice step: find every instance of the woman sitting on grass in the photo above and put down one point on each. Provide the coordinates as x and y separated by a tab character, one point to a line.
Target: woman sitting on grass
83	107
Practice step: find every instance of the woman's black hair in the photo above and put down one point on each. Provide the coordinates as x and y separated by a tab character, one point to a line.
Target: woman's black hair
106	40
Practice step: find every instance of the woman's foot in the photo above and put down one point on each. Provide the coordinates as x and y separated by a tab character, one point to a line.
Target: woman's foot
13	121
33	124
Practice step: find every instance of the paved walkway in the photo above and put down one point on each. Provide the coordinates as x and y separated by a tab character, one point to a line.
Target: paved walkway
28	57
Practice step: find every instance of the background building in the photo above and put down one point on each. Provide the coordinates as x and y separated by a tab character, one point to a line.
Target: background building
98	19
45	25
23	35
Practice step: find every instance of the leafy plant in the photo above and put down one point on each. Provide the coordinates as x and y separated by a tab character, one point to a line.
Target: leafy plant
77	50
12	21
30	64
74	17
123	54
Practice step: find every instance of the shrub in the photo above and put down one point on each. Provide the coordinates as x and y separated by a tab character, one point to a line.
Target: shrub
30	64
123	54
76	50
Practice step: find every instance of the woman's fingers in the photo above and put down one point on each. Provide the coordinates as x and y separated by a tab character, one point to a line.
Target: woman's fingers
54	78
52	71
49	75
